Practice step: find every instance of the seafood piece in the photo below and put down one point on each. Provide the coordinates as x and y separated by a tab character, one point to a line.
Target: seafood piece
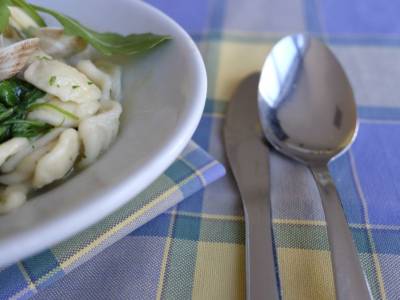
13	58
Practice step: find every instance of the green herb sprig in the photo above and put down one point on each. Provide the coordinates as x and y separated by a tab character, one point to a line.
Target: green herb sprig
107	43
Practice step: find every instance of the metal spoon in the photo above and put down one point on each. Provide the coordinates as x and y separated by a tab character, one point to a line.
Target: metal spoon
308	113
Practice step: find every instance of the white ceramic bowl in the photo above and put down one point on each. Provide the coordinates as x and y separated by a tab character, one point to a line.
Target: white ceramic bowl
164	95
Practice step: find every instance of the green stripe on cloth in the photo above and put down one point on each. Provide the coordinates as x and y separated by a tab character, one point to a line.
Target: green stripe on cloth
178	280
222	231
312	237
367	263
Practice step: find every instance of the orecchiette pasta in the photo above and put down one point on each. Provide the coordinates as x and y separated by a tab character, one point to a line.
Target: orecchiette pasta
59	161
57	118
14	160
57	44
115	73
100	78
62	80
11	147
25	169
12	197
106	75
98	132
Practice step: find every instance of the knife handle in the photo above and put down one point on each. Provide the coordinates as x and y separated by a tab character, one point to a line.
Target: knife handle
350	280
260	266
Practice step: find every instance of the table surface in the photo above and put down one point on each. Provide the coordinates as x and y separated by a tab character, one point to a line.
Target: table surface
196	250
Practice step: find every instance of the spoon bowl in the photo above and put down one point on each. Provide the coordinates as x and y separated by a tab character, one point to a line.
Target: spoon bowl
306	102
307	112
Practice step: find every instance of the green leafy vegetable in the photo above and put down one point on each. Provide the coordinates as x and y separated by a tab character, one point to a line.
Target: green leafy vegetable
107	43
15	92
4	14
4	133
9	93
28	128
16	99
28	9
5	112
31	97
54	107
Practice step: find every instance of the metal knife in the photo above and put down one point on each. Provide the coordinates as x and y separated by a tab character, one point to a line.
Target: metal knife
248	156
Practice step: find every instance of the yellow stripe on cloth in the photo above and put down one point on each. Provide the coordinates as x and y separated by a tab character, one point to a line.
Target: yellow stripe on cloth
117	227
231	71
163	267
306	274
208	216
298	222
121	225
164	262
106	235
220	272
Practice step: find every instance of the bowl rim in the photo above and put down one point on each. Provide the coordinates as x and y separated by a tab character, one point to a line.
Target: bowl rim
25	243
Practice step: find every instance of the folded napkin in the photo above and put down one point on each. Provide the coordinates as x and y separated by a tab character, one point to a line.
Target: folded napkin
191	172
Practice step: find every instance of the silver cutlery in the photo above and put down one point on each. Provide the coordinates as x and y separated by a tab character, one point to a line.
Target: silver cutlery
248	156
308	113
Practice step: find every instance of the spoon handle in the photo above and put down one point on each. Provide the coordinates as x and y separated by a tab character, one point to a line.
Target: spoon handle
350	281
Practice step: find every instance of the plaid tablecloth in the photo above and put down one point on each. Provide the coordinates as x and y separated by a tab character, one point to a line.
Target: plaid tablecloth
192	171
196	249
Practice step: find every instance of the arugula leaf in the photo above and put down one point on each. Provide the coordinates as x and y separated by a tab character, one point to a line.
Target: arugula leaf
28	9
9	93
15	92
4	133
5	112
16	98
4	14
28	128
31	96
107	43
